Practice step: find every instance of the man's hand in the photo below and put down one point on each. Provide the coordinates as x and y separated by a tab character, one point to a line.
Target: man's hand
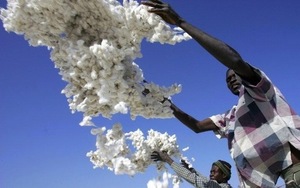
184	164
187	166
164	10
161	156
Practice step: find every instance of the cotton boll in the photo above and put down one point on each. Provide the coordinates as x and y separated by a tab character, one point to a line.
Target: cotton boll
82	106
94	48
151	183
89	85
154	184
97	131
115	132
166	177
109	147
87	121
176	180
161	181
103	96
121	107
137	138
152	20
123	166
79	43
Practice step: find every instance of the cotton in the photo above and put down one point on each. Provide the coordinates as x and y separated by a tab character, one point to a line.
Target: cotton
94	55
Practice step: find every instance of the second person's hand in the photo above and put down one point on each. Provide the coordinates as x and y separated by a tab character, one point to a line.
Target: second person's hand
161	156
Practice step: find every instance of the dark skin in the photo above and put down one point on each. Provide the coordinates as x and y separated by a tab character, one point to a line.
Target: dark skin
220	51
215	173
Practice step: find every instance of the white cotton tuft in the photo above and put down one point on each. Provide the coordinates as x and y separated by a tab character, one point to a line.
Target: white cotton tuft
97	131
86	121
162	181
121	107
123	166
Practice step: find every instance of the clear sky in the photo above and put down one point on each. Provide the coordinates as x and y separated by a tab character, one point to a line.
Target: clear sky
42	144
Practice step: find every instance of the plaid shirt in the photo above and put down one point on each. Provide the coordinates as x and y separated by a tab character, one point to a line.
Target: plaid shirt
259	129
196	179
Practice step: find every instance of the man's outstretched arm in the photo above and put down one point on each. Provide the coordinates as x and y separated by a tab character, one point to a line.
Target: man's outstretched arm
196	125
217	48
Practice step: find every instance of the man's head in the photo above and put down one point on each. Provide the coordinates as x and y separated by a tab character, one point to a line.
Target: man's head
220	171
233	82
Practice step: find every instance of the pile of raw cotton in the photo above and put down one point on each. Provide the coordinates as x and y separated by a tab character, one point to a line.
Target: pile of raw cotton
94	44
129	153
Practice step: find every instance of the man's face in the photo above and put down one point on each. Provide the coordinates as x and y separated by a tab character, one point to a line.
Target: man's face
216	174
233	82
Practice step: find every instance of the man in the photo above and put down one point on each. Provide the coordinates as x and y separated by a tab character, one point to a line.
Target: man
263	131
220	172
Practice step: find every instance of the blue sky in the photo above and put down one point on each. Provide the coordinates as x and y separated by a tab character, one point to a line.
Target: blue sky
41	142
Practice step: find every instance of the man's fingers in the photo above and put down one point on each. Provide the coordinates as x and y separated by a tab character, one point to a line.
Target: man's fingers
155	156
155	159
157	1
148	3
154	4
